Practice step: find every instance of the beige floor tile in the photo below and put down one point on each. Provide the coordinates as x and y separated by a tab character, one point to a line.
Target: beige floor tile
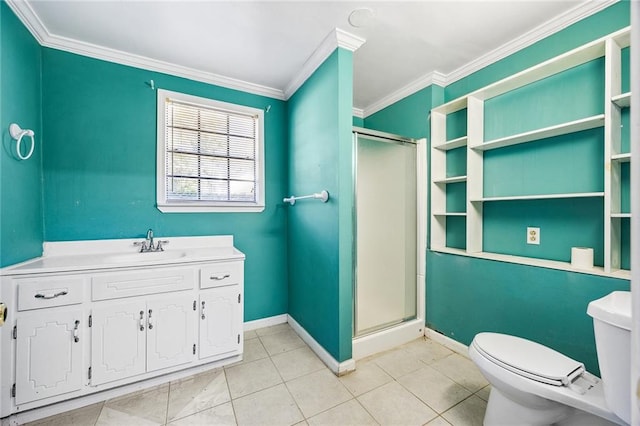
283	341
197	393
427	350
279	328
462	370
221	415
434	388
273	407
392	404
398	362
367	376
111	417
85	416
469	412
297	362
145	406
484	393
317	392
348	413
253	350
249	335
251	377
438	421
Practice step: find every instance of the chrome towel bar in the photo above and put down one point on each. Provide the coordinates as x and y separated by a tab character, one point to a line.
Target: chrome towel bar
322	196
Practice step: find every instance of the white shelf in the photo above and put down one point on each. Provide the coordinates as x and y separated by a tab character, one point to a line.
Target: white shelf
622	274
541	197
452	144
451	214
622	158
621	215
453	179
547	132
623	100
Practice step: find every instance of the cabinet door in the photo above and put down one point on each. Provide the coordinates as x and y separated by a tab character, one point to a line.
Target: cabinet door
118	341
48	355
171	332
220	322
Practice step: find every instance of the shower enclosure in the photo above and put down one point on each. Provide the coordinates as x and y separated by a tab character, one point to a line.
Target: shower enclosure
389	242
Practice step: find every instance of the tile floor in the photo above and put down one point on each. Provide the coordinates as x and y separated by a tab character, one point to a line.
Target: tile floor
282	382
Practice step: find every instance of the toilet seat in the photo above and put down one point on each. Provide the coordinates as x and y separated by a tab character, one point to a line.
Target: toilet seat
529	359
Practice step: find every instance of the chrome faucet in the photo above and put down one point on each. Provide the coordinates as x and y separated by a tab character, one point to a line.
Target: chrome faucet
148	245
149	241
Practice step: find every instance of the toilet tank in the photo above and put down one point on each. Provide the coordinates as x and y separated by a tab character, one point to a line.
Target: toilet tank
612	326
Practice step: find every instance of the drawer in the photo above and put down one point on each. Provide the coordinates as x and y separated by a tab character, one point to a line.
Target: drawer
139	283
221	274
47	292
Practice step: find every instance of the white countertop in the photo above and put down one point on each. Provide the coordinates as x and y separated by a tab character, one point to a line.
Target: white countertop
69	256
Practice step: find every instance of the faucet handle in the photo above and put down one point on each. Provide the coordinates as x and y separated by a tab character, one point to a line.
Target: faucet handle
142	244
161	243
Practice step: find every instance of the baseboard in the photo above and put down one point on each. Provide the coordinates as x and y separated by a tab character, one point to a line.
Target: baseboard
447	342
265	322
338	368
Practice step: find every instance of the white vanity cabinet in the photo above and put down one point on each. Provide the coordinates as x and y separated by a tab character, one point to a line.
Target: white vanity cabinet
221	310
87	323
48	354
48	337
132	338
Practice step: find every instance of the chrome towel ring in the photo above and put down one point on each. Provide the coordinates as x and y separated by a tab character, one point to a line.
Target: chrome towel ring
18	133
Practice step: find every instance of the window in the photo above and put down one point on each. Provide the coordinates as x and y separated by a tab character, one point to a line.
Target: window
210	155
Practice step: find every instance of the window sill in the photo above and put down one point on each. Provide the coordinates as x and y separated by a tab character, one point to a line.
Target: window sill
195	208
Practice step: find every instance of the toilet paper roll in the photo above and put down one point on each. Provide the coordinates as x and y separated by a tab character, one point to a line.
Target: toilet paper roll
581	257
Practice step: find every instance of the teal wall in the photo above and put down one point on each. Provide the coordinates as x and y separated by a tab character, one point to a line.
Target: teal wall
21	229
320	235
99	120
467	295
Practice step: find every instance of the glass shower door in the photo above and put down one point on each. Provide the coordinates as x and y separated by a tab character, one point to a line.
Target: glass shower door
386	233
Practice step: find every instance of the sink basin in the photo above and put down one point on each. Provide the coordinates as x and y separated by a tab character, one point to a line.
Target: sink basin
143	257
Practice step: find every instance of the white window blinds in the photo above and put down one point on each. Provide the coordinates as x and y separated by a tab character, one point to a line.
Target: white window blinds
210	153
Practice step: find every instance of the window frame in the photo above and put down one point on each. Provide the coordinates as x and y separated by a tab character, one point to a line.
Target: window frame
193	206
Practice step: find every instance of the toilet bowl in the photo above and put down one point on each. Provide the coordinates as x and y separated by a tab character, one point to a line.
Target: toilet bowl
532	384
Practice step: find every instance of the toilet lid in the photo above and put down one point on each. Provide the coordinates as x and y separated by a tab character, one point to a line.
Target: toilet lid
528	359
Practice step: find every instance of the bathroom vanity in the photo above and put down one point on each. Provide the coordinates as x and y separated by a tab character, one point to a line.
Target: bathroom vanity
95	316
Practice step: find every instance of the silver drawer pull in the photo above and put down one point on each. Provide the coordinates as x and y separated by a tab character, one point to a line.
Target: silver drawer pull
203	317
219	277
51	296
76	336
141	320
149	320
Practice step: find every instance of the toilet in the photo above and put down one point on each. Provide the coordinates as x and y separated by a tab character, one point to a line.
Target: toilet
532	384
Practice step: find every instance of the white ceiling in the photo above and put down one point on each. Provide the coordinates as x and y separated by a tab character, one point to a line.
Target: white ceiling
266	43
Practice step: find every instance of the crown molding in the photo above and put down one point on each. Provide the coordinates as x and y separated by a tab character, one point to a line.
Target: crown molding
29	18
358	112
432	78
550	27
336	38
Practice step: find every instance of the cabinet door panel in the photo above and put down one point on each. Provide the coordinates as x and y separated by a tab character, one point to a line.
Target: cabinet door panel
220	322
48	357
171	332
117	342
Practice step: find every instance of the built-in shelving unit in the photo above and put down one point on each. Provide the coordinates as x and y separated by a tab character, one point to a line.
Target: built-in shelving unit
603	197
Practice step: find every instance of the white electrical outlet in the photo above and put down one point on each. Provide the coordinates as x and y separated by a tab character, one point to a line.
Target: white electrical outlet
533	235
